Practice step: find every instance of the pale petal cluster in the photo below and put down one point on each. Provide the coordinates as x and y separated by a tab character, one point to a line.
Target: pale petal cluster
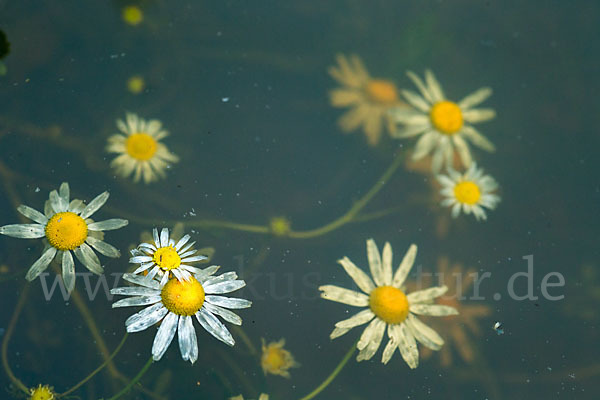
402	336
417	121
148	293
125	165
144	255
486	184
59	202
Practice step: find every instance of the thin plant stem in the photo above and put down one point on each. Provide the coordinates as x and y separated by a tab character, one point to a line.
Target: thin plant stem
332	376
7	336
104	364
134	380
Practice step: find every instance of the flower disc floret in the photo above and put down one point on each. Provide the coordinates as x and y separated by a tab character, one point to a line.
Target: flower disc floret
183	297
167	258
66	231
447	117
382	91
467	192
141	146
389	304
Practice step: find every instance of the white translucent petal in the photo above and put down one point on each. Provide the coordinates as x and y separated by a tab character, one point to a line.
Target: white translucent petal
94	205
41	264
141	280
152	315
416	101
68	271
405	266
193	259
134	291
475	98
227	315
164	336
362	317
227	276
188	344
407	346
164	237
228	302
369	349
156	237
32	214
214	326
143	313
140	259
434	310
424	333
345	296
87	257
103	248
64	192
386	263
137	301
375	263
58	203
182	242
76	206
224	287
24	231
426	294
108	225
362	280
391	345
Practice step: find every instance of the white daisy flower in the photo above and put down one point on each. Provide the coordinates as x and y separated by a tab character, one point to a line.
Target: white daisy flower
165	257
388	306
66	226
175	302
141	152
443	125
470	192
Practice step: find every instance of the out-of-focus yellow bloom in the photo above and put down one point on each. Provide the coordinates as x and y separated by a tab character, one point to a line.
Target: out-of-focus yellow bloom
280	226
41	393
369	99
132	15
276	360
136	84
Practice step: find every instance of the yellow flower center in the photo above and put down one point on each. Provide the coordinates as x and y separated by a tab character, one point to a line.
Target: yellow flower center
136	84
167	258
382	91
183	298
66	231
140	146
280	226
132	15
389	304
447	117
41	393
273	359
467	192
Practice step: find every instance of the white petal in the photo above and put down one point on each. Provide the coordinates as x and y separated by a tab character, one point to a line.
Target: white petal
140	259
141	280
405	266
64	192
228	302
214	326
407	346
224	287
68	271
188	344
416	101
33	214
362	317
374	342
103	248
164	237
182	241
337	332
108	225
76	206
420	85
463	150
87	257
477	138
134	291
434	87
193	259
479	115
156	237
140	315
434	310
94	205
164	336
41	264
475	98
426	294
386	263
58	203
227	315
146	318
137	301
24	231
359	277
345	296
424	334
425	144
375	263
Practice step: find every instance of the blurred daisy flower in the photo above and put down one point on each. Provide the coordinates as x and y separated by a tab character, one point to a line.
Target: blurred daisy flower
174	303
276	360
140	151
387	305
443	124
67	228
262	396
166	258
369	99
471	192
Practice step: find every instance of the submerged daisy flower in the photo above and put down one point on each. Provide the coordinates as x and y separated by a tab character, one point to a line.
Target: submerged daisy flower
175	302
443	124
263	396
66	227
140	151
387	305
370	99
276	360
42	393
470	192
165	257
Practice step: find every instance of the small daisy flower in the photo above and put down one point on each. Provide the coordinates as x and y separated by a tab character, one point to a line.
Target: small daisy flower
175	302
67	228
470	192
387	305
443	124
140	151
276	360
165	257
42	393
369	99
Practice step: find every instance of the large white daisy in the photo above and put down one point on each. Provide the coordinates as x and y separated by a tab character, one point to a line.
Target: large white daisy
140	151
66	226
387	305
175	302
469	192
443	124
165	257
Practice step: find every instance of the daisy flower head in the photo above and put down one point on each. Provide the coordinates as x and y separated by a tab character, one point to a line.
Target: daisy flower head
469	192
140	151
276	360
369	99
444	126
166	258
66	227
387	305
174	303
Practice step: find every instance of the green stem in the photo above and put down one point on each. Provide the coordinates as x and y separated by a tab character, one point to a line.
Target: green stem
104	364
134	380
8	334
331	377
